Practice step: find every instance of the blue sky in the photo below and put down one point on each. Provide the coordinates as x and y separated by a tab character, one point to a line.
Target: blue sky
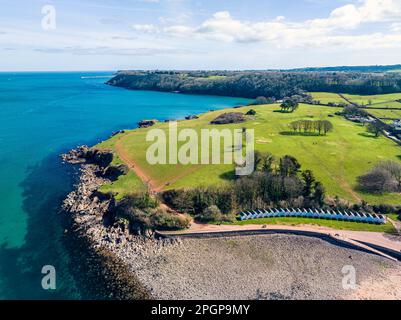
197	34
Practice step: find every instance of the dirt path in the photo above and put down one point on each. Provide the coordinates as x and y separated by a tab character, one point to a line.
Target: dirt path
138	171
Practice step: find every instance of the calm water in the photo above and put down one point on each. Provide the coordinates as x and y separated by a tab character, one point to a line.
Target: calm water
42	115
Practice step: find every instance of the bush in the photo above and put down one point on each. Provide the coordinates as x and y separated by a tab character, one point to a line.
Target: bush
251	112
384	177
376	181
167	221
141	201
229	117
213	214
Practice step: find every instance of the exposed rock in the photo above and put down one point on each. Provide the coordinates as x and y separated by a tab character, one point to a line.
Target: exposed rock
191	117
84	154
113	172
147	123
230	117
117	132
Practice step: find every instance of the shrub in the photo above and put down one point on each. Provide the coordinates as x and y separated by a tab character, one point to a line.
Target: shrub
167	221
229	117
384	177
251	112
376	181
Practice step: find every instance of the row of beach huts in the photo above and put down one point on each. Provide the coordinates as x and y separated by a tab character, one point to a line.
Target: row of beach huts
341	215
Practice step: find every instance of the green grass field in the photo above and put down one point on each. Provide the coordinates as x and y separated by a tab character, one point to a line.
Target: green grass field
374	99
326	97
386	114
339	225
336	159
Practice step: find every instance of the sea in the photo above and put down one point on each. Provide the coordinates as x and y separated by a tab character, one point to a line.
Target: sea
41	116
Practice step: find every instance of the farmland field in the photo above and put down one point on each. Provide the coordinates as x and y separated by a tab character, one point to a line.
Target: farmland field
336	159
373	99
326	97
386	114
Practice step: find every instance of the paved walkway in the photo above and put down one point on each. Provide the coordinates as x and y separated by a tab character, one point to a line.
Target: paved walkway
367	240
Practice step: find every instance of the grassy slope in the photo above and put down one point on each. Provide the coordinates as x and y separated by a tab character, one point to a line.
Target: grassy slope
379	98
336	159
326	97
339	225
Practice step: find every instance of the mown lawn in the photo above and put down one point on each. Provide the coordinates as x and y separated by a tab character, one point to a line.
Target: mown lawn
339	225
336	159
124	185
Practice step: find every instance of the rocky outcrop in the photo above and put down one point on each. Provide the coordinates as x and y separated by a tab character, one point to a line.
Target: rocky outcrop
84	154
192	117
147	123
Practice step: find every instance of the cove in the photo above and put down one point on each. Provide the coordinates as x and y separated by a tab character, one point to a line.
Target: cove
41	116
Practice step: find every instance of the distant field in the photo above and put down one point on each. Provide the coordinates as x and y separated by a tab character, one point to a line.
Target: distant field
336	159
379	98
393	114
338	225
326	97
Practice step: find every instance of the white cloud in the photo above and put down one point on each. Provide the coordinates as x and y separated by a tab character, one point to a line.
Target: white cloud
314	32
145	28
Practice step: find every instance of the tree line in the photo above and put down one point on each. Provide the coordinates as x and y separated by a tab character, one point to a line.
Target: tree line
252	84
310	126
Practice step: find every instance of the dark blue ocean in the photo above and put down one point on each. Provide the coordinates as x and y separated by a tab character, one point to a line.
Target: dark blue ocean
41	116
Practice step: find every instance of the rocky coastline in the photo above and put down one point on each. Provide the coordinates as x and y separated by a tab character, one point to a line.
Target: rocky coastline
104	272
120	265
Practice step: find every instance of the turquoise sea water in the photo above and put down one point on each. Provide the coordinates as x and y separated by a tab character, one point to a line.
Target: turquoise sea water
42	115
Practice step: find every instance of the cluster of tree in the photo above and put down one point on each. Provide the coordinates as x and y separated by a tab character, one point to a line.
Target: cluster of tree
353	111
371	69
376	128
263	100
384	177
143	214
289	105
274	183
252	84
309	126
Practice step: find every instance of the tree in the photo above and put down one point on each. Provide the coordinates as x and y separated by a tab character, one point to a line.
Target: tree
288	166
210	214
394	168
251	112
294	125
376	181
327	126
261	100
289	105
309	181
319	194
375	128
258	160
268	161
